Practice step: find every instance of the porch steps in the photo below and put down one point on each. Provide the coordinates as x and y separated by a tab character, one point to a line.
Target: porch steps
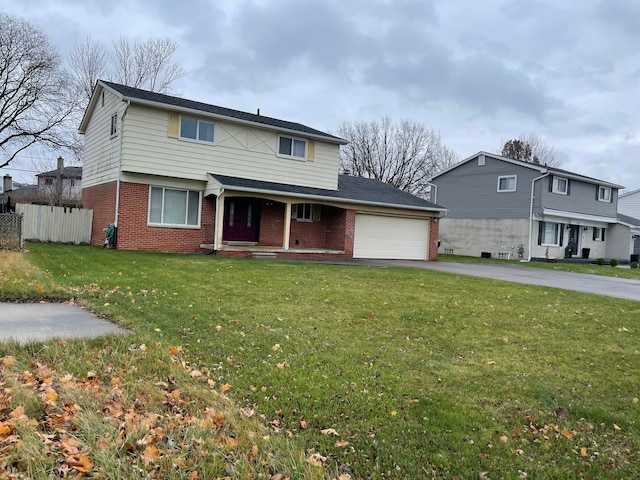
264	255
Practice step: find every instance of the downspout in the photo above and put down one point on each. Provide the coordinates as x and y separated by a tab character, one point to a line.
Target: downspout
533	183
433	198
120	155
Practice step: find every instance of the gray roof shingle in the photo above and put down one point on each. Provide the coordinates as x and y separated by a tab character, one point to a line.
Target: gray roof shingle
183	103
350	189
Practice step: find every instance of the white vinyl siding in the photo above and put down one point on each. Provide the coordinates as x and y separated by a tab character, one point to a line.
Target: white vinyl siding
378	236
172	207
241	151
100	158
507	183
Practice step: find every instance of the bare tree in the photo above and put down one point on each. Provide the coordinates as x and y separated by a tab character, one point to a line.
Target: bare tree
529	147
404	155
146	64
35	101
88	62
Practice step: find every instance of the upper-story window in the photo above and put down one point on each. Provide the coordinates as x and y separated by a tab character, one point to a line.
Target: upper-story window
198	130
292	147
604	194
507	183
114	124
560	185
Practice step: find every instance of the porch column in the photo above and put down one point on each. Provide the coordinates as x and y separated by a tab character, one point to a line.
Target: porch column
287	226
219	221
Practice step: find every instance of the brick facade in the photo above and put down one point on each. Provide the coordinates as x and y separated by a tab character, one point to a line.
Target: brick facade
334	231
434	225
102	200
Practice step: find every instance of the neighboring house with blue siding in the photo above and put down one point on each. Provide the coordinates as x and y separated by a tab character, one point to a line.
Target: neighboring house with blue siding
514	209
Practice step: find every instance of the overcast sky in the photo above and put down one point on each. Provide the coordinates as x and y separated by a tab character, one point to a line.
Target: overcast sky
477	72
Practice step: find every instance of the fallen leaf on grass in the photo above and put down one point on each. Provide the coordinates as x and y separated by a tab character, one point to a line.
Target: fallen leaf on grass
583	452
175	350
567	434
80	463
342	443
616	427
303	424
8	360
329	431
316	460
225	387
151	453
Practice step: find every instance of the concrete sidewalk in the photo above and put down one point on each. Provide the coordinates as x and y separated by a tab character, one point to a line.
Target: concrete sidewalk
25	322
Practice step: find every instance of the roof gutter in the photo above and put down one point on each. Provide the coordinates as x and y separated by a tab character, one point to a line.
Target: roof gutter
533	183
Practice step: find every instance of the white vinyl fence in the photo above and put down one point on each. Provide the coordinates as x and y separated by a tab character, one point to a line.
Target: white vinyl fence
55	224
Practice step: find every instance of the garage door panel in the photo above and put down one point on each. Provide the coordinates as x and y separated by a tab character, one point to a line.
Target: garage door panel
378	236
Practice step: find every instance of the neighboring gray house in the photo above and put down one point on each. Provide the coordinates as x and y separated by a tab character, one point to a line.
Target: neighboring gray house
513	209
629	214
62	186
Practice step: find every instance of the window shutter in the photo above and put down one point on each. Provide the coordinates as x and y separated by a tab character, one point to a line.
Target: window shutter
568	187
540	232
561	233
316	212
595	231
597	192
603	230
174	122
311	150
551	183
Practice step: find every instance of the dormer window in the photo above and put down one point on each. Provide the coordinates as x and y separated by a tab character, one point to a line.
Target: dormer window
292	147
560	185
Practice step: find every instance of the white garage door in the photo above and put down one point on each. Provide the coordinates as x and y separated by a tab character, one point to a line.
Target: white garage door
390	237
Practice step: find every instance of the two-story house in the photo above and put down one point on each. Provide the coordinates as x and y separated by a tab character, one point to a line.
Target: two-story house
512	209
62	186
629	215
178	175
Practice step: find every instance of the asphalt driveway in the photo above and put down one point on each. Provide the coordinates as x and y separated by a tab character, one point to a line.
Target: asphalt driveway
579	282
25	322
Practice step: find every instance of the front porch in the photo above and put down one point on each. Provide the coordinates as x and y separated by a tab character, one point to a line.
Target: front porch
250	249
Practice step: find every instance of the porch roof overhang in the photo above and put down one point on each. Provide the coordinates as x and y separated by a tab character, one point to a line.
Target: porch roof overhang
574	218
631	222
351	190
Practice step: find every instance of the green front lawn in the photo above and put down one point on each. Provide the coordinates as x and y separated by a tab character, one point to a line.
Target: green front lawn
366	372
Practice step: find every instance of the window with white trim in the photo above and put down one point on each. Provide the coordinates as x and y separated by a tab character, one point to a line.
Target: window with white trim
507	183
560	185
169	206
598	234
292	147
551	234
114	124
604	194
198	130
306	212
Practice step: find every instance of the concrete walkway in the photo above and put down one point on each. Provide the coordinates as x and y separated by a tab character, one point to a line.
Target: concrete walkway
25	322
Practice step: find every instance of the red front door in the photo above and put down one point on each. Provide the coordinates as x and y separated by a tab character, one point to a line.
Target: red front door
241	220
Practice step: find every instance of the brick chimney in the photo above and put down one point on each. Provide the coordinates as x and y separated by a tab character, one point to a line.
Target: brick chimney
60	166
7	183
